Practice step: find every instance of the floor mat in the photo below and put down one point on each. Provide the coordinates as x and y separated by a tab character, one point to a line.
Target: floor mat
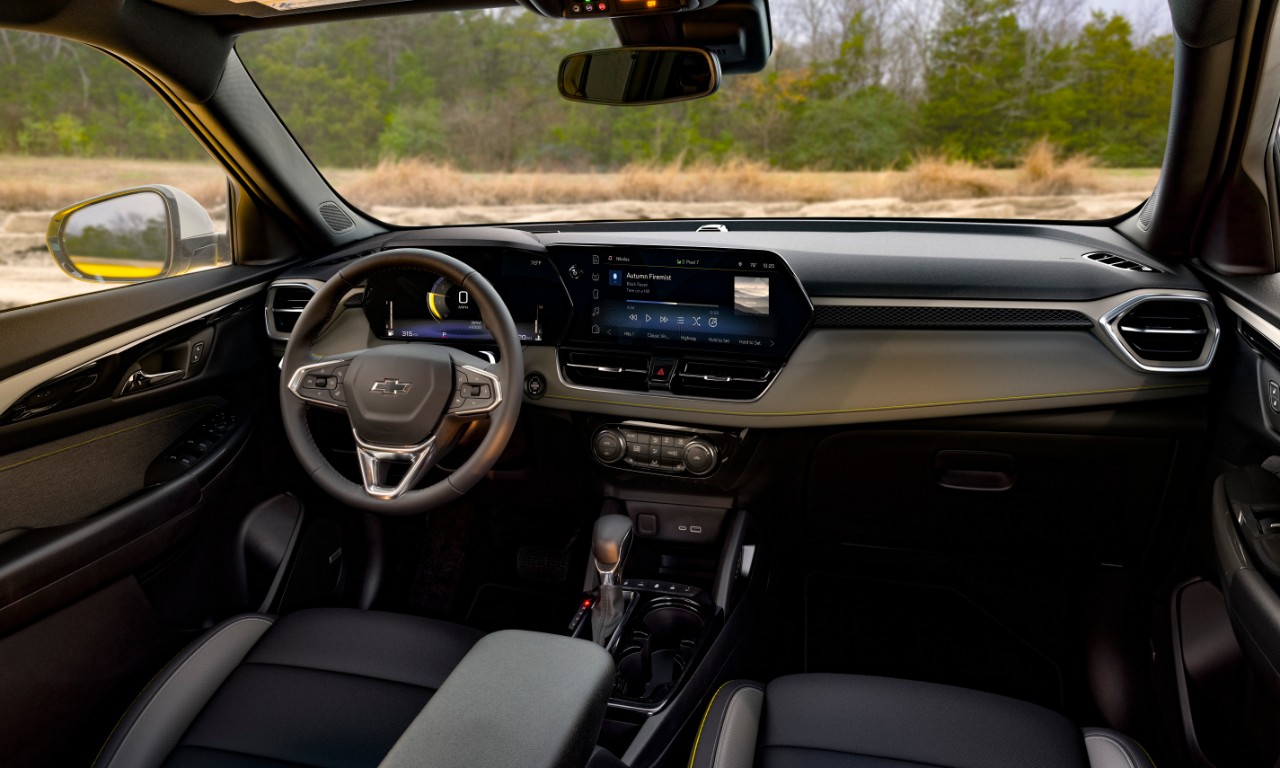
937	634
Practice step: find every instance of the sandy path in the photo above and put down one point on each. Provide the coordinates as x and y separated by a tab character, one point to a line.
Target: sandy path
28	275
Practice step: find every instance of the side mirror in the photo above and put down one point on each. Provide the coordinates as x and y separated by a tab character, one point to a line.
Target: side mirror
642	75
134	234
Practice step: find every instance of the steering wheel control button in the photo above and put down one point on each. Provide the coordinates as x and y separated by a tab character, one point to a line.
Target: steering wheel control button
475	392
535	385
321	383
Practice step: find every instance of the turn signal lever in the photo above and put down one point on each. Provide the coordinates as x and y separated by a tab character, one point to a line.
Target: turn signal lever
610	545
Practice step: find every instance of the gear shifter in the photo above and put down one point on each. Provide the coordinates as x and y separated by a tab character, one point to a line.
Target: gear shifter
610	544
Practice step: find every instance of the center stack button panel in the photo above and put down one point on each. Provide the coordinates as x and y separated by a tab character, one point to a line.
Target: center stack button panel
654	448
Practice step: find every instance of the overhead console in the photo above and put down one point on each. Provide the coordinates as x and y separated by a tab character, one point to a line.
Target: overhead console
572	9
690	321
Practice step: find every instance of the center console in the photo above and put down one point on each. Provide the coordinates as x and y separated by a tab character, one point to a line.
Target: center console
663	620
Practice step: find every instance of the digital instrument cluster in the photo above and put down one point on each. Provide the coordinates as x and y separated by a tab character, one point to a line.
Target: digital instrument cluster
412	305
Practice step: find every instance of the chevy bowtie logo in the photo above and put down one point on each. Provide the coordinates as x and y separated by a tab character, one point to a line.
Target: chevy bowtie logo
391	386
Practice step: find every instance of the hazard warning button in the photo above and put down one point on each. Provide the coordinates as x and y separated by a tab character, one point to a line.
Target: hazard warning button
661	371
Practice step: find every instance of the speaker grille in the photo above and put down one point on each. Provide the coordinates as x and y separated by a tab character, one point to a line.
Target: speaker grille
335	217
1148	212
833	316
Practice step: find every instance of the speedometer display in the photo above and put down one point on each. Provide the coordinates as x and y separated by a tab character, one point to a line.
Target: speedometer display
416	305
402	307
446	301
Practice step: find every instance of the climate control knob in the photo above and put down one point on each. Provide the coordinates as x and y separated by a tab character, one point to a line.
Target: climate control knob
609	446
699	457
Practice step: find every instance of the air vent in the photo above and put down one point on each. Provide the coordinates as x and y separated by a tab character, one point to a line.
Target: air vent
285	303
336	218
1164	333
1112	260
1166	330
612	370
731	381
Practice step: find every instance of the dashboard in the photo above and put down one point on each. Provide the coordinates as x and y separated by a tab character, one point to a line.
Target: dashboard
786	324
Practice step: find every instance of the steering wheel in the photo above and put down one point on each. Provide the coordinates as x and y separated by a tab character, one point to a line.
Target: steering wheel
408	403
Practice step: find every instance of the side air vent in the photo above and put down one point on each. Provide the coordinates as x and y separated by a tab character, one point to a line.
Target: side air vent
336	218
731	381
285	303
611	370
1165	333
1112	260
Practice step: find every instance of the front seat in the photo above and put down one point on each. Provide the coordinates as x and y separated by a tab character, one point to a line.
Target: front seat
853	721
326	687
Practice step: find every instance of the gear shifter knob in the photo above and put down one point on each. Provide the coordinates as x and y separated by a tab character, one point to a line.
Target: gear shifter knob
610	544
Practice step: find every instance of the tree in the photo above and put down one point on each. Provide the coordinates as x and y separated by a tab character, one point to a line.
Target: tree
975	105
1115	100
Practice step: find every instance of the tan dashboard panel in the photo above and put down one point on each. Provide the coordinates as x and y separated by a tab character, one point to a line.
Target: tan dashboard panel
863	376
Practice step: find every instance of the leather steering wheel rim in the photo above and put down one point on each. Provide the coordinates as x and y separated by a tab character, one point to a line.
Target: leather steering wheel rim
313	322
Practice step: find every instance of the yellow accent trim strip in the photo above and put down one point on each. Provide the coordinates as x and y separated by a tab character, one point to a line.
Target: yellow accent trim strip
874	408
694	754
120	271
83	443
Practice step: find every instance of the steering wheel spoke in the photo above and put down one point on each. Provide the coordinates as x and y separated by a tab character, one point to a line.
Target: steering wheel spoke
378	462
322	383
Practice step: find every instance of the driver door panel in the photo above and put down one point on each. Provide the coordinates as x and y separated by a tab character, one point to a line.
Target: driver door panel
110	489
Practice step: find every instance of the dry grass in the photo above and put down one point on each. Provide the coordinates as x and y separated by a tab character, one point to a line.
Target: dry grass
46	184
1043	173
51	183
1040	173
418	183
936	178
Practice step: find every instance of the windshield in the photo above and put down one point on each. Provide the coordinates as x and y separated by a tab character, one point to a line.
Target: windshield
1042	109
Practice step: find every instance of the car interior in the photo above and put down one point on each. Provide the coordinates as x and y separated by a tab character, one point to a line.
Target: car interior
730	492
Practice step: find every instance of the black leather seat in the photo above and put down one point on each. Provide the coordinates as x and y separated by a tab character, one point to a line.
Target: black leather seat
851	721
329	688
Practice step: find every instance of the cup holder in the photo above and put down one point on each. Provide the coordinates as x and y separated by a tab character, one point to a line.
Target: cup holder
658	644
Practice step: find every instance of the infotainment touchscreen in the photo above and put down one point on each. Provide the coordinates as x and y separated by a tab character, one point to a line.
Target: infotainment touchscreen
703	299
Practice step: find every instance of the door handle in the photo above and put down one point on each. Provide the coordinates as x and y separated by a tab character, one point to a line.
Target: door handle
140	380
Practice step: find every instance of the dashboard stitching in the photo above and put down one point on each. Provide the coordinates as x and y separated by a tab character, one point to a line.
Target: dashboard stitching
871	409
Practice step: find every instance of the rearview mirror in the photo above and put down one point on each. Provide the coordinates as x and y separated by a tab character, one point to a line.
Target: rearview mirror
645	75
132	235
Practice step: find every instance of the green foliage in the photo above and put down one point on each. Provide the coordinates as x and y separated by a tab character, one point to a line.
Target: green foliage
975	107
870	128
476	90
1117	105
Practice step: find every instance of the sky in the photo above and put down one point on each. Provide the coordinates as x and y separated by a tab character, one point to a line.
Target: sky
1155	12
1148	17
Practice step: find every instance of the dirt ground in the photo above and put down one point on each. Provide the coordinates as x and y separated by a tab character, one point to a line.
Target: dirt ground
28	274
